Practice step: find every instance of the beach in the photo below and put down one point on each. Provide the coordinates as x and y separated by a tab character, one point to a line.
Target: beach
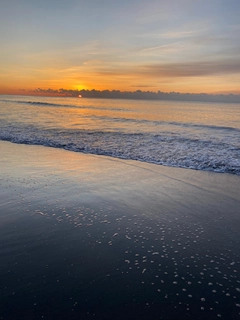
120	160
95	237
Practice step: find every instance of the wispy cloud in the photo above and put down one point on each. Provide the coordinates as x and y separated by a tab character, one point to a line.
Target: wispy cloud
180	34
171	34
163	49
193	69
175	70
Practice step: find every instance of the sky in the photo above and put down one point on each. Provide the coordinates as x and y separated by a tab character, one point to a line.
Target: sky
187	46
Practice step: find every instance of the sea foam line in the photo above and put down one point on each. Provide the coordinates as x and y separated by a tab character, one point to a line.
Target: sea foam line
161	149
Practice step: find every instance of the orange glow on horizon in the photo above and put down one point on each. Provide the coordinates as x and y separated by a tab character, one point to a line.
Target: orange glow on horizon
217	85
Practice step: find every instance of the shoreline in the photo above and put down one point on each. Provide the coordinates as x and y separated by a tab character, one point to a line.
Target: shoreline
185	174
118	158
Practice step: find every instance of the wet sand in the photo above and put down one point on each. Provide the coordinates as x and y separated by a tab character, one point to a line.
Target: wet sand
91	237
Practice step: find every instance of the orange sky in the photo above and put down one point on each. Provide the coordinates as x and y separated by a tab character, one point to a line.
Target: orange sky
138	45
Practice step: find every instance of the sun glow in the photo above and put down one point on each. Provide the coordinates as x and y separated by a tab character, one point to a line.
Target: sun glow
80	87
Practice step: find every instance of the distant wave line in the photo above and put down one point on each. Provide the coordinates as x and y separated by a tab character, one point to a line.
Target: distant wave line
39	103
159	122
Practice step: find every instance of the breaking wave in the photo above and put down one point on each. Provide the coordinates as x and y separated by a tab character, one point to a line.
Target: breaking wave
164	149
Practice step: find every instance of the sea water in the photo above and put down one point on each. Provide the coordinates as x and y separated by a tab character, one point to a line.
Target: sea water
203	136
113	240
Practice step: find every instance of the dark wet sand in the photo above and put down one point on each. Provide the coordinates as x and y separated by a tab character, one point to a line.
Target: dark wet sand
91	237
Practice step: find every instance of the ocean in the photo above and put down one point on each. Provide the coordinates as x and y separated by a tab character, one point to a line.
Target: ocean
202	136
107	237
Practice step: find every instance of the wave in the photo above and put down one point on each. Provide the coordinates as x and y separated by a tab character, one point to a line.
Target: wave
167	123
59	105
30	102
164	149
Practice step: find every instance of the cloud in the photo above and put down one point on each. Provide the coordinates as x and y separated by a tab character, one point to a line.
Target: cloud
180	34
163	48
175	70
176	34
148	95
193	69
92	62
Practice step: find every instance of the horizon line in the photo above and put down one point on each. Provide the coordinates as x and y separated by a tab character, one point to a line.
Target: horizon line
134	95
